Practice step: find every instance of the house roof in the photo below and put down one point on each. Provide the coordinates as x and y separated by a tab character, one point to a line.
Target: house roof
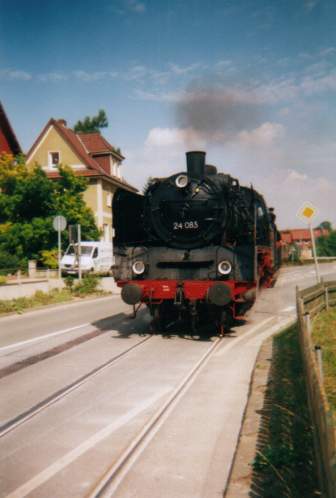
79	146
95	143
10	136
301	234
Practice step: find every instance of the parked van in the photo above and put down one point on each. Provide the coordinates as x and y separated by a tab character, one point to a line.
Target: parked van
95	256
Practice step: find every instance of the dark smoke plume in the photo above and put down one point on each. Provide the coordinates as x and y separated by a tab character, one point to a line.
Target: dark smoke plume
217	113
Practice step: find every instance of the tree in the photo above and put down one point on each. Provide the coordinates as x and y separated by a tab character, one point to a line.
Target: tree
94	124
28	203
326	246
325	225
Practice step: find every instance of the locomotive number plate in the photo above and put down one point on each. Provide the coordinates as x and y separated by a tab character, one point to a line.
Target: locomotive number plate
185	225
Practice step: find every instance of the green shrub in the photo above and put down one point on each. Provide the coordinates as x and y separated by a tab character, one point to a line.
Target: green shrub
49	258
69	282
88	285
10	263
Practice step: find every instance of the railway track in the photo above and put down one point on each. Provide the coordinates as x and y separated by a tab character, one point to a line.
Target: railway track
13	423
111	479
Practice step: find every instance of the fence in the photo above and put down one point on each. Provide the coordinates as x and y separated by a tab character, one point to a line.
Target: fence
310	302
13	275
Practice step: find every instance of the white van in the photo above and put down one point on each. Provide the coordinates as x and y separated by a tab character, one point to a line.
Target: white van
95	256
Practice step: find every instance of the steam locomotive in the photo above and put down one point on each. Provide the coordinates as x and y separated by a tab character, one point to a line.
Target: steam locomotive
196	246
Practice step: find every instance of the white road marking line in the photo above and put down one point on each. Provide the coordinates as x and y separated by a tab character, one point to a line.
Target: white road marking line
246	334
289	308
70	457
284	324
43	337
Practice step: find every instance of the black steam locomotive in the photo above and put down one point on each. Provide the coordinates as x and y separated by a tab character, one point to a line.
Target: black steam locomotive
196	245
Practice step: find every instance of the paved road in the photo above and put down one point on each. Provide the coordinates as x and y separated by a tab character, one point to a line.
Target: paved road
65	449
16	328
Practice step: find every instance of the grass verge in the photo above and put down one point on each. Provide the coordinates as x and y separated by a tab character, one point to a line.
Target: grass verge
324	335
284	465
87	287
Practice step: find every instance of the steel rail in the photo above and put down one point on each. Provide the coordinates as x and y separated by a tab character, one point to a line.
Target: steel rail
13	423
120	466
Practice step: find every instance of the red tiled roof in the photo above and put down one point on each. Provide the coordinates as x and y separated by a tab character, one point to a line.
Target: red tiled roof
8	141
297	234
95	143
104	162
78	145
286	238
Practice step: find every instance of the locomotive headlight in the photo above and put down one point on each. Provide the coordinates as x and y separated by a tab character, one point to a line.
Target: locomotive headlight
138	267
181	181
224	267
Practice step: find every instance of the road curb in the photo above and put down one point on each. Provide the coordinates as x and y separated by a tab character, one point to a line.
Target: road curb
241	472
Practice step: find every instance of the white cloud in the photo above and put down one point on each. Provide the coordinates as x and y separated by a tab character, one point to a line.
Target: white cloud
53	76
182	70
315	85
15	74
265	134
294	175
135	6
173	137
310	4
93	76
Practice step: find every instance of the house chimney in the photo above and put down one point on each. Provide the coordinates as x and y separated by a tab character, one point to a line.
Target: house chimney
62	122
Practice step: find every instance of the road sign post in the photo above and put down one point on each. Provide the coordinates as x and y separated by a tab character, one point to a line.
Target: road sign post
59	224
79	252
307	213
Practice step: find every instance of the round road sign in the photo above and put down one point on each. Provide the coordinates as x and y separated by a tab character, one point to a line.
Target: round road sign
59	223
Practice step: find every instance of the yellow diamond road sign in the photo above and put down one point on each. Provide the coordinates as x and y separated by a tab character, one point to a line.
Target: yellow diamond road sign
307	212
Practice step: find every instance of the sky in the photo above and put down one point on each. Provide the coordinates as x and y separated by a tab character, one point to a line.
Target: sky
251	82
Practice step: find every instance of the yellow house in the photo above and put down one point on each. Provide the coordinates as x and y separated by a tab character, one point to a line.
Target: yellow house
89	155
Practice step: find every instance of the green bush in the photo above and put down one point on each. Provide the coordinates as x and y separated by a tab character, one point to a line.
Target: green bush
49	258
88	285
69	282
10	263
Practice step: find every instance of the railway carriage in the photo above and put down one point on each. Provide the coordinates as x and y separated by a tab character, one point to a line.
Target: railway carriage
196	246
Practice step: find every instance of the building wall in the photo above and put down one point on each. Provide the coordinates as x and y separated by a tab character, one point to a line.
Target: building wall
90	195
108	191
53	142
98	194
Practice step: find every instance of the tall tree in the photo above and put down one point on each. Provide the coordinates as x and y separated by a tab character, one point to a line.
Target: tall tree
326	246
28	203
93	124
326	225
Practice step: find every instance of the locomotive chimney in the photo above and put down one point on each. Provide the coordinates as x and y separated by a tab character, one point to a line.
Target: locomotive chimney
196	164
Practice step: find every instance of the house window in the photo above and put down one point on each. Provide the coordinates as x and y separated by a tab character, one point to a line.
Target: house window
54	159
109	200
